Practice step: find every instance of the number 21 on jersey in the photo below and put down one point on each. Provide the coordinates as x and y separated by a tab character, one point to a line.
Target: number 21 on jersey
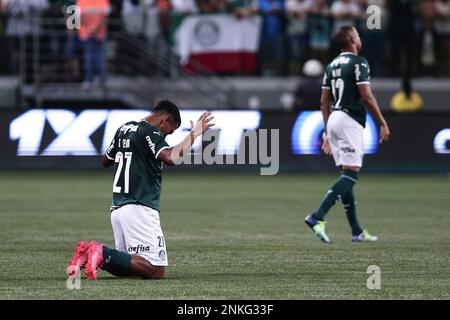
120	159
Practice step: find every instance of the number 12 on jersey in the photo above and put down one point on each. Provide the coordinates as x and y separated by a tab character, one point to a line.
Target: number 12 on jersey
120	159
337	85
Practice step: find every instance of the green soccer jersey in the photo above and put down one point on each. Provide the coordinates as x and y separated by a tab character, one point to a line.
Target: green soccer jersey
342	77
137	171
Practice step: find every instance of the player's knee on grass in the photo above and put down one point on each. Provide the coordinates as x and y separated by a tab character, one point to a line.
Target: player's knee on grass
155	273
143	268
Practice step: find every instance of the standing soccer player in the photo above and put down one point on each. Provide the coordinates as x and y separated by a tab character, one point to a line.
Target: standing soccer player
346	80
138	152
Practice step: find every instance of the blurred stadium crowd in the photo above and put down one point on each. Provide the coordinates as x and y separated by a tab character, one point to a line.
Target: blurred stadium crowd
293	31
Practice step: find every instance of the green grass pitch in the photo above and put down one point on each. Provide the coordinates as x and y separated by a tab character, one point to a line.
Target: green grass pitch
232	236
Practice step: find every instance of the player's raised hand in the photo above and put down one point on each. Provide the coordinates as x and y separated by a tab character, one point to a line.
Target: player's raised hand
203	123
384	133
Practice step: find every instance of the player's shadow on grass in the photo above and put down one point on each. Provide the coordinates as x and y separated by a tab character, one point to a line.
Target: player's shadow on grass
190	277
220	276
174	277
113	278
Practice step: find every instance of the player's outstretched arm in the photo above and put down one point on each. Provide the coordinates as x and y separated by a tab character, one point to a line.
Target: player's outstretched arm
372	106
172	156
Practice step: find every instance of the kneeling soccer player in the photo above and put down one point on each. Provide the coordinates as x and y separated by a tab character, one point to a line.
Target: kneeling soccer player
138	152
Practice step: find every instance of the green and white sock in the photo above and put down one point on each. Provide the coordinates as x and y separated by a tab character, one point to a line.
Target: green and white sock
348	200
116	262
339	188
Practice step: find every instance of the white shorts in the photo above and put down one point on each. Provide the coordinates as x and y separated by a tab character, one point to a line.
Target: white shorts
137	230
346	139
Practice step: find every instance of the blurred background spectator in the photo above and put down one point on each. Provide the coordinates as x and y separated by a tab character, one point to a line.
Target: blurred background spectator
401	37
208	6
319	26
184	7
92	34
308	92
345	13
148	21
427	38
442	28
242	8
297	13
3	41
374	39
273	39
180	9
23	21
73	51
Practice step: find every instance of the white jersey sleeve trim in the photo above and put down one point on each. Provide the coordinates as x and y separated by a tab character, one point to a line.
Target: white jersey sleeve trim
363	82
157	154
327	88
112	159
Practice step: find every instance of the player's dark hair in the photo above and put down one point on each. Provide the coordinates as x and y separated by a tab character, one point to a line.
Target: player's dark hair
170	108
343	37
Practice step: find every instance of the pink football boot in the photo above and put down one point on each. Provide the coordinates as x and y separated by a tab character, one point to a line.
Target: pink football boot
79	259
95	260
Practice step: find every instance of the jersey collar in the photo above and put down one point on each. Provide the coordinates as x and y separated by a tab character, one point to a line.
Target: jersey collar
153	126
347	52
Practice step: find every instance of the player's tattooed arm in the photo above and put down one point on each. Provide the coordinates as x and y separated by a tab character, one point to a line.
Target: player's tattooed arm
174	155
374	110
